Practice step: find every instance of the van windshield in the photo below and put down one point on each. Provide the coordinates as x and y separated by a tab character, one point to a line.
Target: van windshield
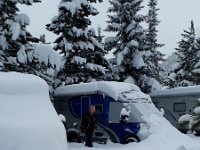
141	111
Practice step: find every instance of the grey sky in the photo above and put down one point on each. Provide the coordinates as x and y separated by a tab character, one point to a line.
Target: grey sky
175	15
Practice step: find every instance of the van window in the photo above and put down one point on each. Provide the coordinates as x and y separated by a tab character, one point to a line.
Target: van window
99	108
179	107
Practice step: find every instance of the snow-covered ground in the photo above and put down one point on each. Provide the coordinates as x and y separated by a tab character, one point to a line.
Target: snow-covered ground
28	120
161	136
132	146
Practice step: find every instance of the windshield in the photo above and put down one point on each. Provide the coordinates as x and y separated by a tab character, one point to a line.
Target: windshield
140	111
136	112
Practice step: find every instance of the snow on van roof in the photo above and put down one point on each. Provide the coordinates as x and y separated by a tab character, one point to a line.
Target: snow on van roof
176	91
28	119
111	88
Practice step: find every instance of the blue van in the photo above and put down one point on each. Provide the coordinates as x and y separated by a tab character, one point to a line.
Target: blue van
111	99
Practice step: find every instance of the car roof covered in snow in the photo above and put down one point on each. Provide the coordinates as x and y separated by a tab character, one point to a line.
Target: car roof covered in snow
180	91
110	88
28	119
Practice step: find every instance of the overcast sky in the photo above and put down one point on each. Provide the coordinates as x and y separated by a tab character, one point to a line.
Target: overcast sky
175	15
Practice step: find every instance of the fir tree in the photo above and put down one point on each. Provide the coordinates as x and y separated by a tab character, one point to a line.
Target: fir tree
192	121
83	55
152	44
187	55
14	37
129	43
196	68
99	35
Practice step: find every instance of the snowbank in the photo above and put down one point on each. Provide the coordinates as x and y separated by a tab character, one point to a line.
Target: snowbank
161	136
113	89
28	119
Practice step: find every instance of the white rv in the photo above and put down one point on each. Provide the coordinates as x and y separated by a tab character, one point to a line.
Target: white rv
176	102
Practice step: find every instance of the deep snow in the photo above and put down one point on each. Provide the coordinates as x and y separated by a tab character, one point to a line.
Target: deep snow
162	136
28	120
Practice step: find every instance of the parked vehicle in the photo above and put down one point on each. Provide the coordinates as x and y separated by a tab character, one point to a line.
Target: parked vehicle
109	98
176	102
28	118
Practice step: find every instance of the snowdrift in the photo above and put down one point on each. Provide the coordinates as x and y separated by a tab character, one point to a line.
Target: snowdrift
161	136
28	119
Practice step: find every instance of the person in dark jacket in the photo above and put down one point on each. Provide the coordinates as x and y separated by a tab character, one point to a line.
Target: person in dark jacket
88	125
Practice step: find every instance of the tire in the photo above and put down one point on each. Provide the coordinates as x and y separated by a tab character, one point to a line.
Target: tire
132	139
73	137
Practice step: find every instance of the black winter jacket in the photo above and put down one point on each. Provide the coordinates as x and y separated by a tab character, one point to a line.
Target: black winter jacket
88	123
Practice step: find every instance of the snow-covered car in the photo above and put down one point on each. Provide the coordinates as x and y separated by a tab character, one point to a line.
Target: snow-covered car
119	109
28	120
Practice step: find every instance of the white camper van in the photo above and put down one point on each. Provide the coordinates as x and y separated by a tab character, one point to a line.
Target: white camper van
176	102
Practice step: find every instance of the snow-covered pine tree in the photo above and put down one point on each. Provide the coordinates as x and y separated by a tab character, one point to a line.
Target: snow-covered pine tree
187	55
192	121
83	55
196	68
155	57
129	43
99	35
14	37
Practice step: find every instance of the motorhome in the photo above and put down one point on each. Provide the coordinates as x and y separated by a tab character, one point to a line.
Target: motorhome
176	102
111	100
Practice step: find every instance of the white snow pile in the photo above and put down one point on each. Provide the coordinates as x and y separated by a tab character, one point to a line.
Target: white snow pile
185	118
113	89
28	119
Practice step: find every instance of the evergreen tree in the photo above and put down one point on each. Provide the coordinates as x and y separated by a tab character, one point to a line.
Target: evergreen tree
187	55
196	68
99	35
152	44
129	43
192	121
83	55
15	40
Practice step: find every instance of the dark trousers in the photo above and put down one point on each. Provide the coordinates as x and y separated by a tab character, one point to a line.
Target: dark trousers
88	141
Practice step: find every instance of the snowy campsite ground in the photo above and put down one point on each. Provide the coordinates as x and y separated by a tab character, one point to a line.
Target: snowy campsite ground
160	135
144	145
132	146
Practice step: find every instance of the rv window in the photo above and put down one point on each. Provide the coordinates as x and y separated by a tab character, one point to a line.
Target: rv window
179	107
99	108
